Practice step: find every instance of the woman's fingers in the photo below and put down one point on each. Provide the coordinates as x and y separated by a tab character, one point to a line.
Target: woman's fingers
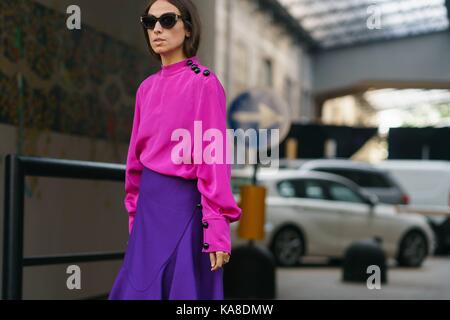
212	257
220	258
219	262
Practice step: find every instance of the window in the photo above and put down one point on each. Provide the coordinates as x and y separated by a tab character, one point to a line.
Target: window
364	179
266	73
288	91
314	190
287	189
301	188
339	192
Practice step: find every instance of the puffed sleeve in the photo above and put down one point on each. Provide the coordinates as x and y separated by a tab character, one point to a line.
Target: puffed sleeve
133	167
219	207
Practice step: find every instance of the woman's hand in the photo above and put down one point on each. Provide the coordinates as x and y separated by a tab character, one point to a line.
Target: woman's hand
218	259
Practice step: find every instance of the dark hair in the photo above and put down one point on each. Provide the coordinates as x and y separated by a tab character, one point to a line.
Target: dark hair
191	20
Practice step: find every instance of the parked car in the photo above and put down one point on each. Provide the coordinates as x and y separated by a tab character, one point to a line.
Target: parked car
427	182
370	178
312	213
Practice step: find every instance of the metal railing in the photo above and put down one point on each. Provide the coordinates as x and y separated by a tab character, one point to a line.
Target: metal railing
16	169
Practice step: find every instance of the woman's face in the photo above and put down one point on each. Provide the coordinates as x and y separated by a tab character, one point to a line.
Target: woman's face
173	38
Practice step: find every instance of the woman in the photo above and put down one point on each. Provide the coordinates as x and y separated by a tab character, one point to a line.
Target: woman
178	199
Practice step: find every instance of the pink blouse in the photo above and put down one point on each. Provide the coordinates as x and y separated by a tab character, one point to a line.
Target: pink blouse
173	98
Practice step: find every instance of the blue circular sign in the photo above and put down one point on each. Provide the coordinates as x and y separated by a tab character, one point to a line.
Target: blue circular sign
260	111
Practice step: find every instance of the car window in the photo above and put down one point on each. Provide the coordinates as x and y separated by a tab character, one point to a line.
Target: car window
340	192
287	189
313	189
362	178
301	188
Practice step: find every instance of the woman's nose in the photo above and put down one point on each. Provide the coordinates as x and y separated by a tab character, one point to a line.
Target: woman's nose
158	26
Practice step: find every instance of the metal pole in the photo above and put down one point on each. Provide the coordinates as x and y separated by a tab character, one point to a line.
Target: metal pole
13	229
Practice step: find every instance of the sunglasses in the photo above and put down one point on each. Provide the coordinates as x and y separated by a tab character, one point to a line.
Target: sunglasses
167	20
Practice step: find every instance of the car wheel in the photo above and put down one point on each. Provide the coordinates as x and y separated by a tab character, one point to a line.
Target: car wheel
440	232
288	246
413	249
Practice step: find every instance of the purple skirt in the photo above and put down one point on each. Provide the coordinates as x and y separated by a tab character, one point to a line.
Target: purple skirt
164	259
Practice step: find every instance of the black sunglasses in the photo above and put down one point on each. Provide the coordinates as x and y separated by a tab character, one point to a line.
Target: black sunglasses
167	20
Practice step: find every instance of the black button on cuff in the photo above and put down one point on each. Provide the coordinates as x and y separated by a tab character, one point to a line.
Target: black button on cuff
205	224
189	62
206	245
206	73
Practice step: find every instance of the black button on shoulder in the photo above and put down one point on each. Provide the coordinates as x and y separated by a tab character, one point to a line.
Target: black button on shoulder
206	245
205	224
196	69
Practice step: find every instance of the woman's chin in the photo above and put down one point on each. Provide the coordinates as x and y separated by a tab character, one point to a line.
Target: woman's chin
160	50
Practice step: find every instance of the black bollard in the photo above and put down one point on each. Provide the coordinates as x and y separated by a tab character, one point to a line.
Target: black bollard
359	256
250	274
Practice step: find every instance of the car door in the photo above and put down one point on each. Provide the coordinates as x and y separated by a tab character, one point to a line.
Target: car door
355	219
318	217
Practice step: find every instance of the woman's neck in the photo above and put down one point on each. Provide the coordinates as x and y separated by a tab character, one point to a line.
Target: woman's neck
170	59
